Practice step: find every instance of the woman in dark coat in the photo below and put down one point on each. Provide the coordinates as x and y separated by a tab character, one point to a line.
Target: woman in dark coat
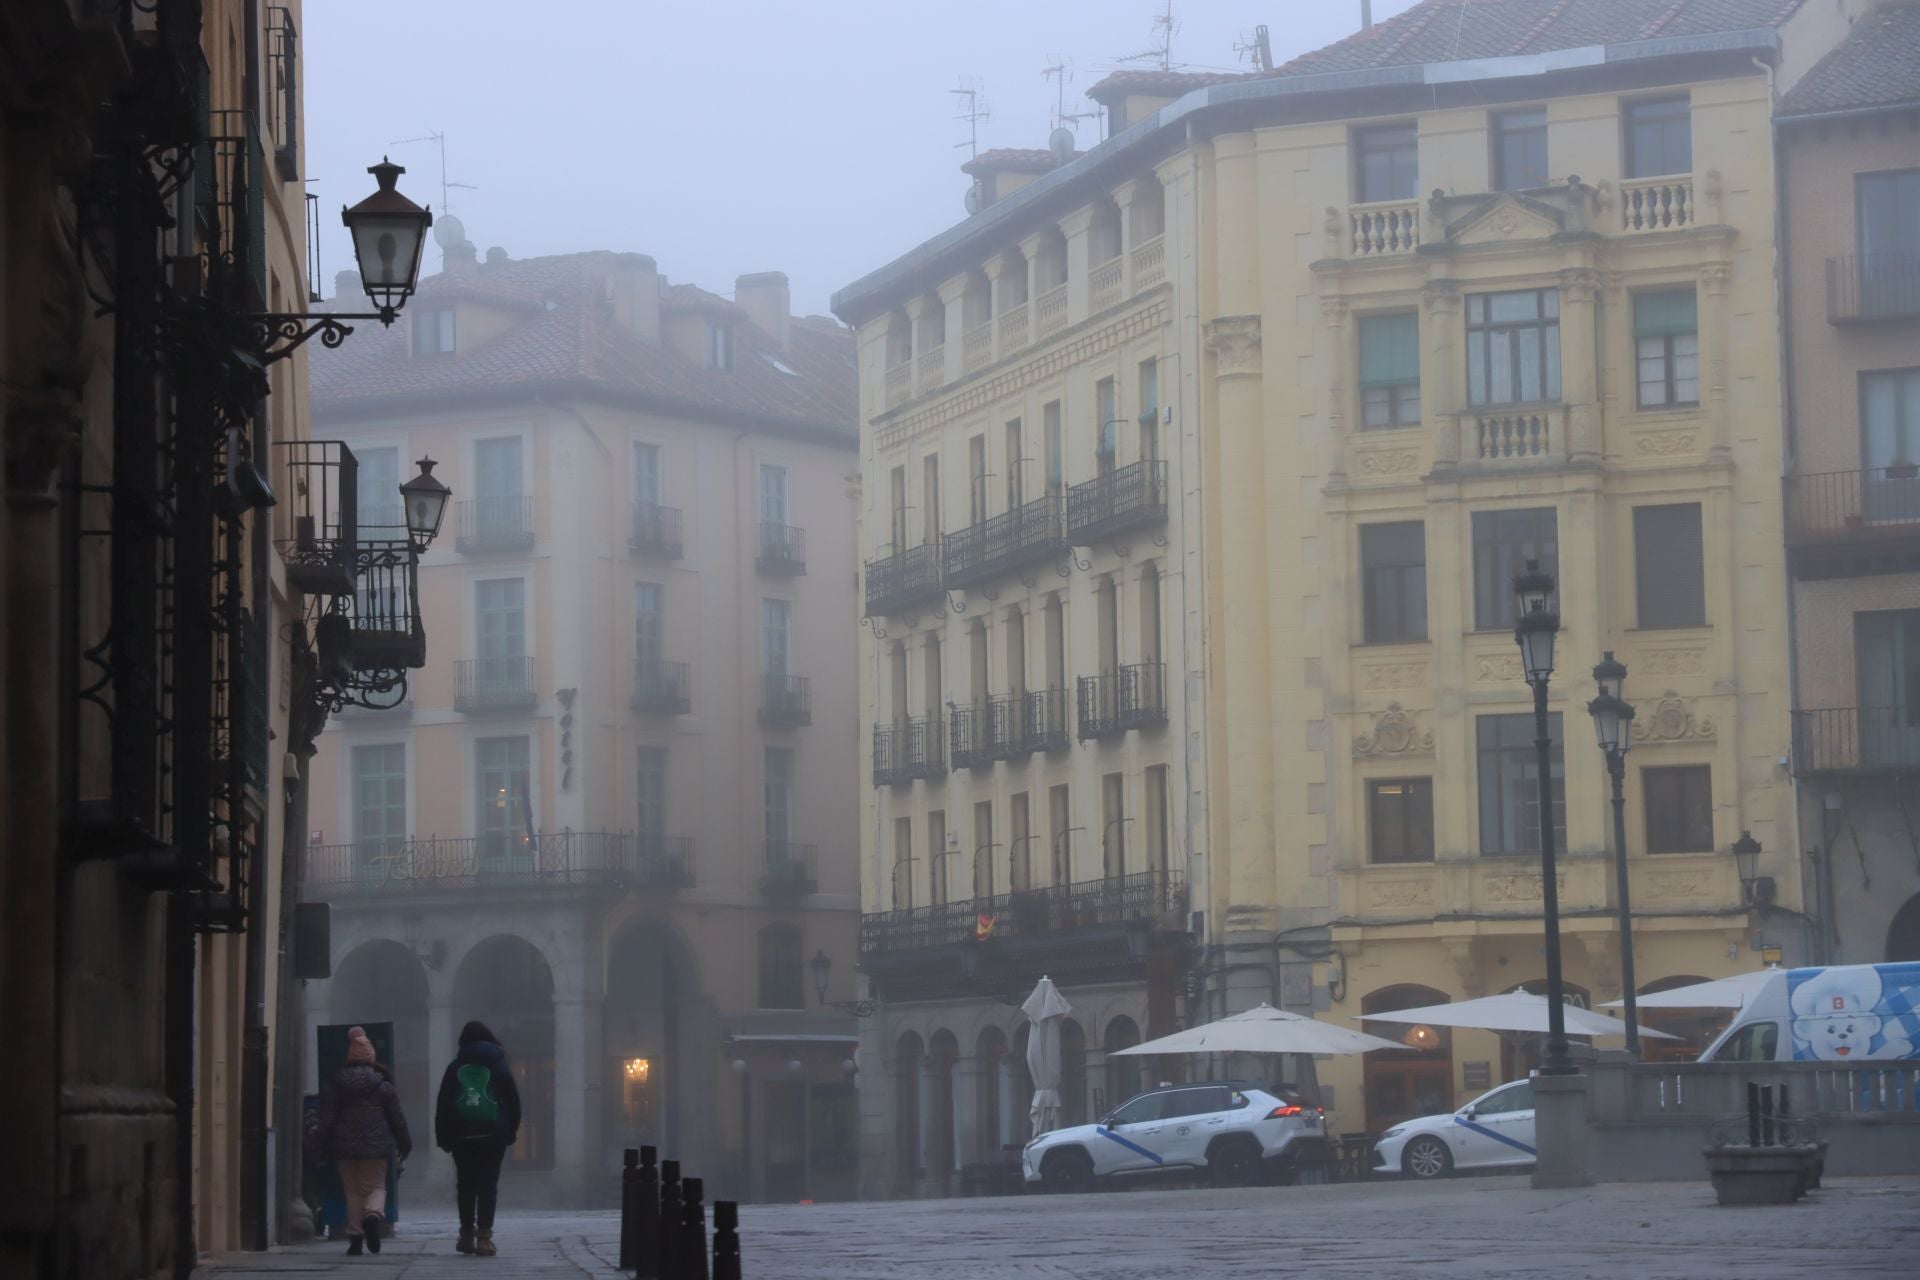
361	1126
475	1119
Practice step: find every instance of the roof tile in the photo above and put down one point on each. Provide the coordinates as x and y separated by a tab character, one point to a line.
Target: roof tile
1877	65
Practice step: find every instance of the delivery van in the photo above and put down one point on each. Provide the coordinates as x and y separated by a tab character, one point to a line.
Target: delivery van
1839	1013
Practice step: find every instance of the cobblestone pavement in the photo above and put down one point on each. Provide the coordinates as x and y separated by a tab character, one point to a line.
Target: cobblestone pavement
1477	1227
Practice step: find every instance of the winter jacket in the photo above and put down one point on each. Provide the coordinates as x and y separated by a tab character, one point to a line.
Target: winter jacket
449	1128
360	1116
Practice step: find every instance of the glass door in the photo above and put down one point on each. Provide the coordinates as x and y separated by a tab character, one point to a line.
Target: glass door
1889	678
502	785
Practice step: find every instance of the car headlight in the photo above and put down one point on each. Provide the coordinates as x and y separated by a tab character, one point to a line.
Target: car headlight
1394	1132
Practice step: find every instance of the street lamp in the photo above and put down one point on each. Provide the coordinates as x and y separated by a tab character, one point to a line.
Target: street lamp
1535	627
1746	860
425	499
388	233
1613	728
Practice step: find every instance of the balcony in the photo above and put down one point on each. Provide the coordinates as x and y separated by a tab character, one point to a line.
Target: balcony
1129	498
1383	229
783	550
1013	328
1050	312
930	369
1133	697
899	383
1105	283
904	580
995	548
982	733
661	688
787	871
322	555
494	525
1026	920
785	701
656	531
903	752
1522	433
1854	523
976	347
441	865
656	861
1857	740
494	686
1657	204
1869	287
1043	721
1149	263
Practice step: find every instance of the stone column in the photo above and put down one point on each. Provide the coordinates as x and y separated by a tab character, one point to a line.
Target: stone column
997	279
1333	323
1076	227
953	293
1030	246
1123	201
966	1114
576	1096
1560	1132
441	1035
1712	322
917	307
1580	363
1442	399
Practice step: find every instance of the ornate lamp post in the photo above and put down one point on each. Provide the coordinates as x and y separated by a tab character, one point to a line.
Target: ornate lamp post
1746	860
1612	727
821	966
1535	628
425	499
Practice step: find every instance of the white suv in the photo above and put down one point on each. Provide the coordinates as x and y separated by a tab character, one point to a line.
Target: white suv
1233	1131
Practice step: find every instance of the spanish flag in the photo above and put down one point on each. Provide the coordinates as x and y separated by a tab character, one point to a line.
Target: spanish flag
983	927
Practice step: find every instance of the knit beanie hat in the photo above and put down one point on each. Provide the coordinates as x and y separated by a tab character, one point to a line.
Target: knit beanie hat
359	1048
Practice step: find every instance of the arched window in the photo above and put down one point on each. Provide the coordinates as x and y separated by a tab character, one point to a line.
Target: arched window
907	1058
780	968
1401	1084
1123	1074
942	1145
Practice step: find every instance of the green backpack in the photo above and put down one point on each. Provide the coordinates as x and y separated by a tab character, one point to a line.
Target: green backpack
476	1102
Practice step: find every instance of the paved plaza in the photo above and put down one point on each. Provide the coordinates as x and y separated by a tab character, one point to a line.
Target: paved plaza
1476	1227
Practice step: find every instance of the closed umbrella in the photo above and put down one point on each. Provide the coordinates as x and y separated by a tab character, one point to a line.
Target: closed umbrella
1044	1009
1264	1029
1514	1011
1720	993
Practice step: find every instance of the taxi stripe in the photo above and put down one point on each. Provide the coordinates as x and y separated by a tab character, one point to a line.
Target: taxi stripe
1131	1146
1497	1137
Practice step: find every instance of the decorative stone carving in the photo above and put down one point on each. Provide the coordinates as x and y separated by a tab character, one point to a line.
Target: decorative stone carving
1577	284
1235	343
1399	893
1336	228
1666	444
1441	296
1393	675
1395	732
1333	312
1672	662
1521	887
1498	668
1680	884
1714	276
1388	462
1672	720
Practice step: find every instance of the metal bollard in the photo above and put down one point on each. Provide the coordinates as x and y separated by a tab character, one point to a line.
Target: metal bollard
1766	1115
646	1229
693	1231
726	1240
1753	1114
668	1252
629	1210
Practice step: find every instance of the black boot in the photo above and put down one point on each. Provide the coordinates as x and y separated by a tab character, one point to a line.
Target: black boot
370	1226
353	1246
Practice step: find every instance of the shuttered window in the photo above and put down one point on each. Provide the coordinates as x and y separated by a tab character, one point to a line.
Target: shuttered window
1668	566
1389	370
1666	342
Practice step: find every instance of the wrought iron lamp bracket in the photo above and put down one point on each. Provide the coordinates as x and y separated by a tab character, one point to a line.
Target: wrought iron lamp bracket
291	331
857	1008
879	632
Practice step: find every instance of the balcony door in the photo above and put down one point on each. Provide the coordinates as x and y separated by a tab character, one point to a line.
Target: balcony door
646	474
503	782
777	801
380	809
498	484
377	493
1890	444
1889	205
500	630
649	629
773	496
1889	676
776	638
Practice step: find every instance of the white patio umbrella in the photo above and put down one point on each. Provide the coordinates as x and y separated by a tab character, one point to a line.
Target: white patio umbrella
1513	1011
1044	1009
1719	993
1263	1029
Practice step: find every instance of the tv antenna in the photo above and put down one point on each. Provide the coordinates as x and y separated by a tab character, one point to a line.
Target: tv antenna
439	139
1257	49
1059	69
1165	26
973	109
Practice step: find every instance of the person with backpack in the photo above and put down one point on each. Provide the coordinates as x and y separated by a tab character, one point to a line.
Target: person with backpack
475	1119
360	1126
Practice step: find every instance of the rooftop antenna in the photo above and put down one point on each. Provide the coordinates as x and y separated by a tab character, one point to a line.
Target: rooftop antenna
1259	49
1164	28
1366	15
973	109
1060	71
439	139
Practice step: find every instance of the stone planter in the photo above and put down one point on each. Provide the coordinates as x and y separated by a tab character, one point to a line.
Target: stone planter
1760	1175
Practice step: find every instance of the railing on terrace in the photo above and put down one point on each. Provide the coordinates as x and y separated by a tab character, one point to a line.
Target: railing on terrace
1517	433
981	733
1149	263
656	531
1379	230
1876	503
662	687
1656	204
1712	1090
899	380
1105	282
788	870
909	750
904	579
785	701
1050	311
1875	286
1134	697
1043	721
494	524
1148	897
976	346
930	368
449	864
1126	498
783	549
1857	740
1013	328
494	684
1005	543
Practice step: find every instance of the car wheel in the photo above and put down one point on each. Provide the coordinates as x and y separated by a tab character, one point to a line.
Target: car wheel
1067	1172
1233	1162
1427	1157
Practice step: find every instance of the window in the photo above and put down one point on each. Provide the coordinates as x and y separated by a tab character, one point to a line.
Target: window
1510	788
650	797
646	473
719	345
1106	412
1513	347
496	468
1503	542
1385	164
503	782
1668	566
773	494
1060	834
1666	341
1755	1042
1145	1109
1113	829
984	844
930	498
1679	809
1056	452
433	332
937	856
500	627
776	637
1887	667
379	799
1156	819
1890	430
903	864
976	479
776	798
1149	410
1016	467
1400	820
648	626
1389	370
377	491
1889	205
780	968
1019	840
897	491
1393	569
1520	149
1515	1097
1659	137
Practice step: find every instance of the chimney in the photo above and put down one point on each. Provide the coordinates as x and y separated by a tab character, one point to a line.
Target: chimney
496	256
767	301
634	290
346	287
457	257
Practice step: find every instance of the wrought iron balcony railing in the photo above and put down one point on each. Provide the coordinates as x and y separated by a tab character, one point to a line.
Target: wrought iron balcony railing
1149	898
1881	503
1838	740
903	580
494	684
656	531
981	733
1873	286
323	480
1006	543
783	549
1134	697
1129	498
909	750
449	864
656	861
1043	721
785	701
788	871
494	525
661	688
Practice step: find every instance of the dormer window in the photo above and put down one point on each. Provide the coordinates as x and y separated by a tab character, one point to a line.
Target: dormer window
433	332
719	345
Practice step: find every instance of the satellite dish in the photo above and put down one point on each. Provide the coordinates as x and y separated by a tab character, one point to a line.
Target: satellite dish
448	232
1060	142
976	197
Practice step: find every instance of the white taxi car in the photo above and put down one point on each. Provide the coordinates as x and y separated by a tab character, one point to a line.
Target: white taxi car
1493	1131
1233	1131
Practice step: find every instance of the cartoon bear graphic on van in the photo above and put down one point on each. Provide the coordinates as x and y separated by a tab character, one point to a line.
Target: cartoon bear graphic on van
1839	1015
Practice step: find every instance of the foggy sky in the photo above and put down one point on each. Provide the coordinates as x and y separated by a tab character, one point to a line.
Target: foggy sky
721	136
